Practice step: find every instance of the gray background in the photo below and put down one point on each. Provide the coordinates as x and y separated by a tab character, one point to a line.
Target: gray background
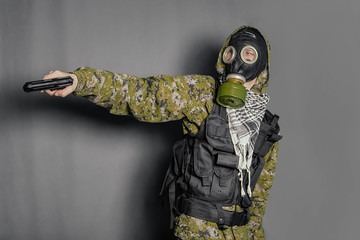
70	170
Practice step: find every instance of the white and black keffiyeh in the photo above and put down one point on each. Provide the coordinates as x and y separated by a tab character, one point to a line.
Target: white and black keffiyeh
244	124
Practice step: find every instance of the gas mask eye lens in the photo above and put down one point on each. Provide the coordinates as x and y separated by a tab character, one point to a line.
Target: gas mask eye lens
249	54
229	54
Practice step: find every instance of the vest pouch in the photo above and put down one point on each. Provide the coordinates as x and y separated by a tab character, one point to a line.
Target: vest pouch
227	160
203	162
219	137
217	130
225	177
176	172
177	166
181	156
204	159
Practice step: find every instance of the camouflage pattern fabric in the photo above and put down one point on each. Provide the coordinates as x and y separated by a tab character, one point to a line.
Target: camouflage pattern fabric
153	99
189	98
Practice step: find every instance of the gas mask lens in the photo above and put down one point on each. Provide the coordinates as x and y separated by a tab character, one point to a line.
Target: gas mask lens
229	54
249	54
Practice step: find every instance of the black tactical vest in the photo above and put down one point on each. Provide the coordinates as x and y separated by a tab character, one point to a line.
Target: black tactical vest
204	177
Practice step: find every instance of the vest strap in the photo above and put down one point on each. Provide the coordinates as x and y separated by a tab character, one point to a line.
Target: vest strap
212	212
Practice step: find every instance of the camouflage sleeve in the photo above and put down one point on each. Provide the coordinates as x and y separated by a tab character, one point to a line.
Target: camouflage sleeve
261	193
153	99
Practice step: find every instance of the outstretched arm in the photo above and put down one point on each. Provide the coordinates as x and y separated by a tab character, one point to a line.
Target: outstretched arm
152	99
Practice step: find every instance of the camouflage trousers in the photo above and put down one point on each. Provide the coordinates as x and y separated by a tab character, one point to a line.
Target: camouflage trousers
190	228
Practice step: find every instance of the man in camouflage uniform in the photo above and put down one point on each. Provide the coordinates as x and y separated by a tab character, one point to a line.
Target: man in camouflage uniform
163	98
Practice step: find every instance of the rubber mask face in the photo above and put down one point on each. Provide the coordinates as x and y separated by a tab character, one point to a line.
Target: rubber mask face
245	58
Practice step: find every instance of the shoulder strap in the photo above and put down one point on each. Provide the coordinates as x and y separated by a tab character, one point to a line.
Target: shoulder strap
268	134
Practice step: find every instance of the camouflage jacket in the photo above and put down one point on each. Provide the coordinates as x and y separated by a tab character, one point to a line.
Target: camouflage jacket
164	98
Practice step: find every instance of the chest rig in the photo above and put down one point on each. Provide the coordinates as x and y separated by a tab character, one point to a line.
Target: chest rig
203	178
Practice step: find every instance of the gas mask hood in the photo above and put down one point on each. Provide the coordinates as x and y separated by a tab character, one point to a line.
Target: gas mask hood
244	57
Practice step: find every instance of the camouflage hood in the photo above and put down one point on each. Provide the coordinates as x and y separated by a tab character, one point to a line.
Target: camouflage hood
262	80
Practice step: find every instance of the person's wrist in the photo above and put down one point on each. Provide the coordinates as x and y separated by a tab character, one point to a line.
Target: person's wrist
76	80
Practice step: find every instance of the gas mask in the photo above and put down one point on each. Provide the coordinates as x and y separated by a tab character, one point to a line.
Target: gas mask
245	58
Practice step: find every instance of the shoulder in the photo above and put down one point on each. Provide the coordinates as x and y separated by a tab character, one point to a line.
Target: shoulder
200	90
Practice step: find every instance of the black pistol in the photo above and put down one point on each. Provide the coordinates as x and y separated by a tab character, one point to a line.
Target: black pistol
48	84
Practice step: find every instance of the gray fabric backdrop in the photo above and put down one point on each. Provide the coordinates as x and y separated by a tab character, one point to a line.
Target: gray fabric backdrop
70	170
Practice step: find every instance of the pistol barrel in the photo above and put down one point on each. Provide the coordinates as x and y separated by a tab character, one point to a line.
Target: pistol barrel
48	84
